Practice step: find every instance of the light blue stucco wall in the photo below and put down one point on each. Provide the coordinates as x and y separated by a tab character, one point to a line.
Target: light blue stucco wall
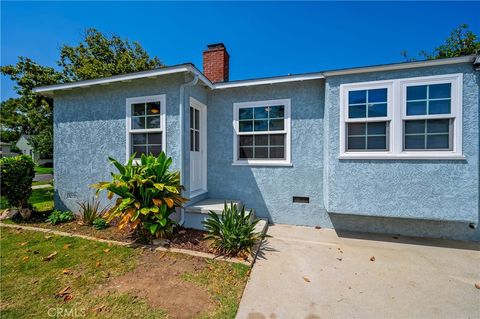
423	198
269	190
443	193
89	126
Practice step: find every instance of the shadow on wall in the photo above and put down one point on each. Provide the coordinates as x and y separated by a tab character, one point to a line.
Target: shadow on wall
60	204
348	225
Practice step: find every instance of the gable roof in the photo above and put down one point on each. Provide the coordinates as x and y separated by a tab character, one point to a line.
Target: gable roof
189	67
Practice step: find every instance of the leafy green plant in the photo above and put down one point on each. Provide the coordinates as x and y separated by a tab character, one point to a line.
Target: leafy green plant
57	217
148	194
90	210
100	223
16	182
233	232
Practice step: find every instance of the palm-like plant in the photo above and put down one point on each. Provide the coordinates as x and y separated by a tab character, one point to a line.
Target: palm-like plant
148	194
233	232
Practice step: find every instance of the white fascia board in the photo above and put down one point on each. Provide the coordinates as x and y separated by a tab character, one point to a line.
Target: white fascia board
122	78
273	80
401	66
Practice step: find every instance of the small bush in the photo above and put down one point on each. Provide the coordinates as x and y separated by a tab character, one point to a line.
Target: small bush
90	210
232	232
57	217
16	181
100	223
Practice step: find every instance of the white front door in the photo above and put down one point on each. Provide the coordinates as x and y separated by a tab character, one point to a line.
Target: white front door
198	148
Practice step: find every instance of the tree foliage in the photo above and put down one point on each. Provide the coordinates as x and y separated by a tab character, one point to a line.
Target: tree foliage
461	42
100	56
95	56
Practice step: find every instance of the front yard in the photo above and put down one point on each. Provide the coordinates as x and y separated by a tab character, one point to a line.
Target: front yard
45	275
41	200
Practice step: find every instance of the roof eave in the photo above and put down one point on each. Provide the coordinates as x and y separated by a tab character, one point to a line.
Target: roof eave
50	89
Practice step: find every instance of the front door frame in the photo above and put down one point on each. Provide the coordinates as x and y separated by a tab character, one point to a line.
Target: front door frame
203	147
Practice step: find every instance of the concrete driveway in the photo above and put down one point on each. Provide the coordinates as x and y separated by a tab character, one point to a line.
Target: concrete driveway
309	273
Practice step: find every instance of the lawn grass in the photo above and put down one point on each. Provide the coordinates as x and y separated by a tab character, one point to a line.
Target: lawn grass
29	284
43	170
41	200
42	183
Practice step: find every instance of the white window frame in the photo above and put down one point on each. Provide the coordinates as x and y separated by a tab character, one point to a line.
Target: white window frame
287	131
397	104
145	99
345	89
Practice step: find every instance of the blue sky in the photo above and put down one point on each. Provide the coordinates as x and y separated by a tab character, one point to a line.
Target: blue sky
263	38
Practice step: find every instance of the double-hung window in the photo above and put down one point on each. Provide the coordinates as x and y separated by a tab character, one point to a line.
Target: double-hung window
402	118
366	118
431	115
262	133
145	125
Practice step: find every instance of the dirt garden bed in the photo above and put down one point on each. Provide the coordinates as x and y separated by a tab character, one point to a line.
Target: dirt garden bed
184	238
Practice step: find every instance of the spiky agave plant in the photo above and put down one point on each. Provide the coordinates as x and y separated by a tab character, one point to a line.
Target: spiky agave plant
232	232
148	194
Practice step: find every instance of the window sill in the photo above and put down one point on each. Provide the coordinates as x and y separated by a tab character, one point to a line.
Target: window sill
263	163
403	156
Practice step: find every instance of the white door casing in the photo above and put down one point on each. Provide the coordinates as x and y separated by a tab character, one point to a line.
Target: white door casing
198	147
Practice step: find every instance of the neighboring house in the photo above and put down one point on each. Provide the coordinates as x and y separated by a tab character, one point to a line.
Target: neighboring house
389	148
25	145
5	150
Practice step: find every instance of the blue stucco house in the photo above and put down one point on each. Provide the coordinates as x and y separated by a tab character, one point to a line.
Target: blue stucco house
389	148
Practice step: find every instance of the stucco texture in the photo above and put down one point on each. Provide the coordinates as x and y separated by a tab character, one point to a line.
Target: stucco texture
90	126
269	190
439	190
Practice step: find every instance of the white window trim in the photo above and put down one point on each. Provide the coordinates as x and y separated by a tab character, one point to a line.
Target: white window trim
287	131
397	113
145	99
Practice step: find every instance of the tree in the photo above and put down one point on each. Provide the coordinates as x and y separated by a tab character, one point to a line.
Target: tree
461	42
95	56
100	56
30	113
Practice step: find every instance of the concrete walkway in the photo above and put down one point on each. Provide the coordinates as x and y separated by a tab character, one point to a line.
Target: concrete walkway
308	273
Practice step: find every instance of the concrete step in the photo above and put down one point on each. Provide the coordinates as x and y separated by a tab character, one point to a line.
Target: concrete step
198	212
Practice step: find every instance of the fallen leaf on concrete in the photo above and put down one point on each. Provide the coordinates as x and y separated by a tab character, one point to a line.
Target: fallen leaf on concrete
339	259
306	279
25	258
477	285
372	258
23	243
318	227
66	246
50	257
67	272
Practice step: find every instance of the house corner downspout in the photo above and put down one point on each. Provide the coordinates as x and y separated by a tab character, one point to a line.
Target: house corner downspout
182	135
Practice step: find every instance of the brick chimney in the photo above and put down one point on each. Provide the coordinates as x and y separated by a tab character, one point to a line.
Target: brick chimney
215	63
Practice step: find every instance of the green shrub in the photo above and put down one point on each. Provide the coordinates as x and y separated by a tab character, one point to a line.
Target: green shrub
147	195
90	210
16	181
232	232
100	223
57	217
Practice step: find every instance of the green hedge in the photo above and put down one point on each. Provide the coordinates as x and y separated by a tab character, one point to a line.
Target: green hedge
16	181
